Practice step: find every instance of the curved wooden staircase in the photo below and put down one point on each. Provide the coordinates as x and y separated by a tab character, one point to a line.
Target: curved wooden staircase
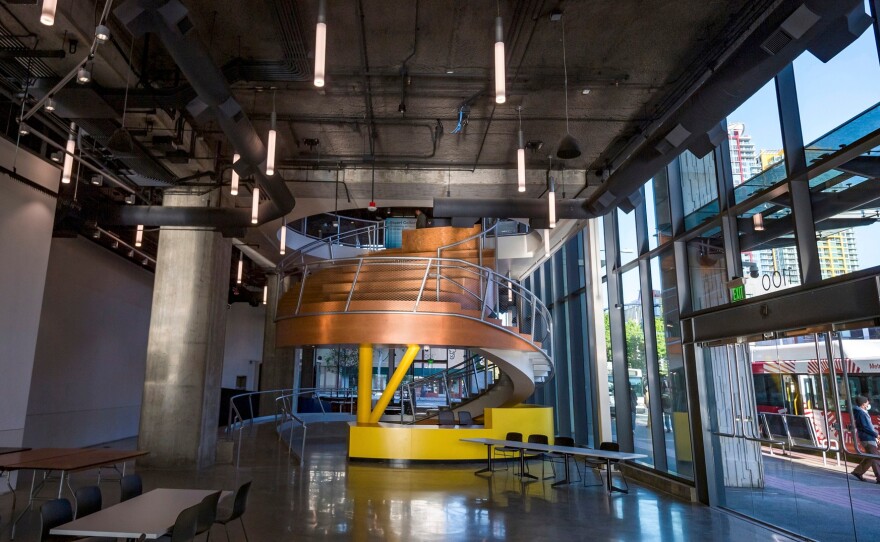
410	296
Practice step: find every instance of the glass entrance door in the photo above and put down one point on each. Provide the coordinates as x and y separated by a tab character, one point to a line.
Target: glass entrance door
780	437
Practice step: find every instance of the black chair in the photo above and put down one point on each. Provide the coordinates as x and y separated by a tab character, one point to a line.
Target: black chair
598	464
506	452
88	501
539	455
446	418
185	525
207	514
557	457
52	514
464	418
131	486
239	504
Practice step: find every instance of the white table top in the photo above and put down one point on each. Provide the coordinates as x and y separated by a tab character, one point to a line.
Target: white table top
152	513
570	450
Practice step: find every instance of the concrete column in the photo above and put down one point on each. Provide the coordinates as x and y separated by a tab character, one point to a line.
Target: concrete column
277	370
179	414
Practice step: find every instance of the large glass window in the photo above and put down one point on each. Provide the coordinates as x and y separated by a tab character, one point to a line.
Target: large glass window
699	188
657	208
832	92
636	363
627	236
768	248
708	270
754	135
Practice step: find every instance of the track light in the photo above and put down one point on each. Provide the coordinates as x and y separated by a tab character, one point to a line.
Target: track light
273	134
47	16
240	267
145	261
67	170
255	206
758	221
84	75
23	129
131	253
57	157
551	202
96	234
320	44
49	105
500	91
102	34
265	294
283	243
97	180
233	186
139	235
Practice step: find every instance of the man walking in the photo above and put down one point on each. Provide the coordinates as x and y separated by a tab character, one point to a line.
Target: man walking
867	438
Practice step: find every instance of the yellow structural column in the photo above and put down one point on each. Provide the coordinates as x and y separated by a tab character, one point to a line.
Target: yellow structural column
393	384
365	382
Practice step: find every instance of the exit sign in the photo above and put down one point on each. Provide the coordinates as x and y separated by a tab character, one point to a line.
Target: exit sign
738	293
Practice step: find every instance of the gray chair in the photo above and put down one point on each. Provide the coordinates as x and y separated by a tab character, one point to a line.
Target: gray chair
239	505
52	514
207	514
464	418
446	418
539	455
506	452
185	525
599	464
88	501
557	457
131	486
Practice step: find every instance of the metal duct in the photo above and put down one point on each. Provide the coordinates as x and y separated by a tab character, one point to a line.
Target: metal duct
507	208
795	27
170	21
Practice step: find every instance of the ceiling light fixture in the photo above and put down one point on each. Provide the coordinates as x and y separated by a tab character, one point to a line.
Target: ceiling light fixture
568	146
131	253
139	235
97	180
67	170
255	206
129	199
96	234
145	261
23	129
102	34
283	243
240	267
114	244
321	44
233	185
49	105
84	75
47	16
273	134
500	91
547	243
57	156
509	289
551	202
265	294
520	156
758	221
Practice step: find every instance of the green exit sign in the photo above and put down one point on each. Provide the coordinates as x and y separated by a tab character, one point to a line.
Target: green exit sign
738	293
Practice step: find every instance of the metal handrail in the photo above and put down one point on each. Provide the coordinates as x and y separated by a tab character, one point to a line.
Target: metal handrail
297	257
300	226
287	413
466	372
522	297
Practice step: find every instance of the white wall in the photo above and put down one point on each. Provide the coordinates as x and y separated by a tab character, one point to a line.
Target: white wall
244	343
88	375
26	218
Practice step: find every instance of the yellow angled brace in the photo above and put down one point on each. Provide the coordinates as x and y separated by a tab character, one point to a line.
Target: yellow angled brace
394	383
365	382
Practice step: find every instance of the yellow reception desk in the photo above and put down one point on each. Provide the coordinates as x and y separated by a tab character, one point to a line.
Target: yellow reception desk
388	441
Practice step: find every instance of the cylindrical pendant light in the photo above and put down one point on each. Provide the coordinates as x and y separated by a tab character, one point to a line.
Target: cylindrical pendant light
233	185
521	156
270	154
139	235
47	16
551	203
67	170
500	90
283	244
255	206
547	243
320	44
240	267
758	221
265	294
509	291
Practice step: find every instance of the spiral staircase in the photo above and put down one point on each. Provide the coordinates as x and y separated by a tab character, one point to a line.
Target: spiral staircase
438	289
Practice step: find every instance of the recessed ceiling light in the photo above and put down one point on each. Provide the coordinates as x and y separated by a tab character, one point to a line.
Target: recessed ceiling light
585	91
450	71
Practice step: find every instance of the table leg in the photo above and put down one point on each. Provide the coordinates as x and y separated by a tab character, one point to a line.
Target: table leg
612	487
26	508
522	466
61	484
488	460
567	471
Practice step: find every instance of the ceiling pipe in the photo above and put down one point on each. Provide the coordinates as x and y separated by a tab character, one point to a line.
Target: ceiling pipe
508	208
170	21
797	26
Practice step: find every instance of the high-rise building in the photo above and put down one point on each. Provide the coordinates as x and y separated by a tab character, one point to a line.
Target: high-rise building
744	160
837	249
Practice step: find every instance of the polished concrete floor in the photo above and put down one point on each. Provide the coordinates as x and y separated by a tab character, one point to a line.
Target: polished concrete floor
331	499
